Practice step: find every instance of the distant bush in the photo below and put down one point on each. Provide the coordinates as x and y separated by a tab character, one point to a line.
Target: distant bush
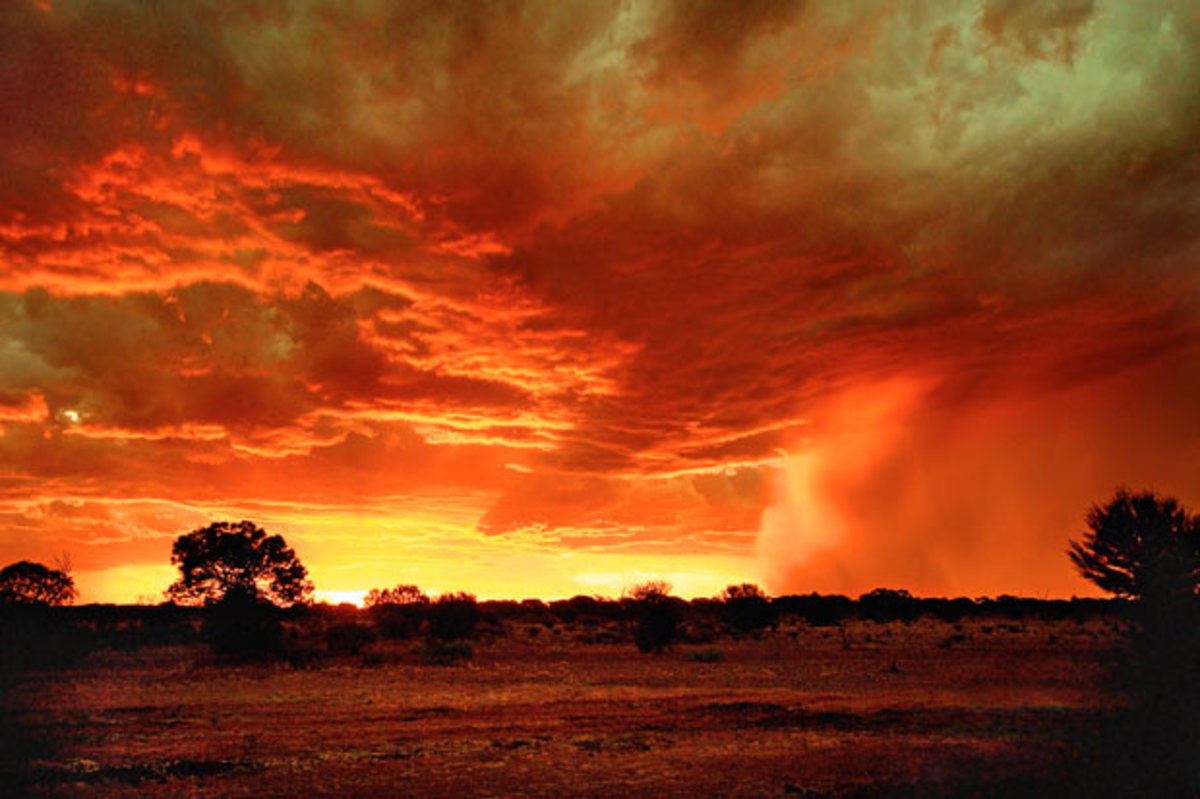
948	610
446	653
533	608
397	612
819	610
656	616
453	616
887	604
746	607
400	595
588	610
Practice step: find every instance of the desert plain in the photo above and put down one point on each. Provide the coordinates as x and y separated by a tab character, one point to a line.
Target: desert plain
977	707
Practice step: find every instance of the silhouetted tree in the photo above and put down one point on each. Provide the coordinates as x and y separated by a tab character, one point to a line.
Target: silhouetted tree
242	624
1140	545
400	595
746	607
453	616
397	612
237	560
655	614
816	609
888	604
586	609
1147	547
29	583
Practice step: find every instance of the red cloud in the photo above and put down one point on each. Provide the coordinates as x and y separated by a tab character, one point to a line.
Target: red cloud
606	275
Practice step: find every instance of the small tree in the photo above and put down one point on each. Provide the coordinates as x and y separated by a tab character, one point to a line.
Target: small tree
400	595
655	614
397	612
746	607
889	604
1147	547
453	616
29	583
1140	546
237	559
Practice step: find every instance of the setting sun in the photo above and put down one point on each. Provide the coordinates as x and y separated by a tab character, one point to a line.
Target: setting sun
341	597
710	397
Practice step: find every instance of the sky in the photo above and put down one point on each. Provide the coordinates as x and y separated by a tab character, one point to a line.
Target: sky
549	298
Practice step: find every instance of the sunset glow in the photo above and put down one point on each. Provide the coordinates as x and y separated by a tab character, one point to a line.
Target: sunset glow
547	299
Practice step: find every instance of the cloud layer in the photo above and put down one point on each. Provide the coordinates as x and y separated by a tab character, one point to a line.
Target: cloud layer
821	295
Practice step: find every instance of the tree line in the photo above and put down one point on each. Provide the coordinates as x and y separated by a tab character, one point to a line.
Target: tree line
1138	546
246	592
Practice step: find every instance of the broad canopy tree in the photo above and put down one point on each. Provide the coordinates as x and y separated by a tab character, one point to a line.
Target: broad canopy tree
228	559
29	583
1142	546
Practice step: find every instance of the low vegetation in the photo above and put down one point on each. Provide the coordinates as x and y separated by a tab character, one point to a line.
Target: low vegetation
243	604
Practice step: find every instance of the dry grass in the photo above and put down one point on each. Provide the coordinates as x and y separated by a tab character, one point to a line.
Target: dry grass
876	708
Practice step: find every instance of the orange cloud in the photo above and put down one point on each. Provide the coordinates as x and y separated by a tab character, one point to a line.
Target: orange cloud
858	289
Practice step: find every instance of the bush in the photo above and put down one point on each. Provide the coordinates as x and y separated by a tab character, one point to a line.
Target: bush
398	621
656	616
746	607
453	616
887	604
397	612
818	610
588	610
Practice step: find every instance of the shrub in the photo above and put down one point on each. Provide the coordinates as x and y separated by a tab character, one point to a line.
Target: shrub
818	610
887	604
397	612
746	607
655	614
453	616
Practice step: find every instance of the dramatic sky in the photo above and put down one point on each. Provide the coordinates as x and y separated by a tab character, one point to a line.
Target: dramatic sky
547	298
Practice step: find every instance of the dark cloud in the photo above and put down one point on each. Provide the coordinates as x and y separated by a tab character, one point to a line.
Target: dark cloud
603	268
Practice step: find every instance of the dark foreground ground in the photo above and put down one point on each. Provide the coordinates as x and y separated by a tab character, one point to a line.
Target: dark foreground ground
927	708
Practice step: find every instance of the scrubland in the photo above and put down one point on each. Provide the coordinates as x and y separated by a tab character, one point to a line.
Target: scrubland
928	707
